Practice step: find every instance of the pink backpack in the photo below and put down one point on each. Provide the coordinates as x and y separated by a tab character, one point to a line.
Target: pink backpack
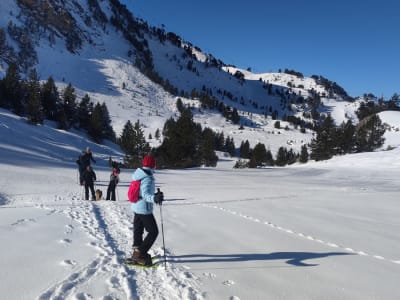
134	189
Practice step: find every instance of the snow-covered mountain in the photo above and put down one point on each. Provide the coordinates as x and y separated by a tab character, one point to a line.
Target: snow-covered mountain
321	230
105	52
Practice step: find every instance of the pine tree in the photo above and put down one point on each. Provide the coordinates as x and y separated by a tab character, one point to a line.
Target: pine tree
346	138
207	146
3	41
259	156
304	154
269	159
141	147
220	141
50	99
108	131
369	134
85	110
188	139
167	153
133	143
100	124
127	138
281	157
181	142
235	116
291	157
394	102
230	146
13	89
245	151
322	147
179	105
2	92
34	109
157	134
68	111
96	124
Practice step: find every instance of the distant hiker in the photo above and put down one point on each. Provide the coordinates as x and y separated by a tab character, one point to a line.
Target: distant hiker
89	177
114	179
84	161
115	165
143	209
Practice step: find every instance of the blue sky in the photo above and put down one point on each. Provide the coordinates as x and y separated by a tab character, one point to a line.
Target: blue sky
354	43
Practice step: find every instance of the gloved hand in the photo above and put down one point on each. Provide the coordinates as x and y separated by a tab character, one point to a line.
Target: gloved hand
158	197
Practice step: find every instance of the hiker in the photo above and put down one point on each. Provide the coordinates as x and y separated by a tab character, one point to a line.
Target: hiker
114	179
84	161
89	177
143	212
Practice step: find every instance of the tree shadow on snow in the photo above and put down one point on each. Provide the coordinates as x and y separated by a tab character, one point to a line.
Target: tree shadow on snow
292	258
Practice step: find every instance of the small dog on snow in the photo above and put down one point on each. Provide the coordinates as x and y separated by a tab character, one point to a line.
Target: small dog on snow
98	194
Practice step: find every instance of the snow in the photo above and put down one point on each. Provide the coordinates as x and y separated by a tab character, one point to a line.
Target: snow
323	230
326	230
391	119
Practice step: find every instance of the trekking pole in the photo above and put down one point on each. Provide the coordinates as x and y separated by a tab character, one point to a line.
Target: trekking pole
163	240
116	191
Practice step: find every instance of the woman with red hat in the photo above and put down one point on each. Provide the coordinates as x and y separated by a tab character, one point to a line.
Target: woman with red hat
143	209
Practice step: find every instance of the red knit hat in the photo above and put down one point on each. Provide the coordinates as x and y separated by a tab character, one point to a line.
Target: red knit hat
149	161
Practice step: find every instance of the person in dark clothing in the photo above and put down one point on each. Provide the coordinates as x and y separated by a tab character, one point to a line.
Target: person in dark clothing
114	179
143	209
89	177
84	161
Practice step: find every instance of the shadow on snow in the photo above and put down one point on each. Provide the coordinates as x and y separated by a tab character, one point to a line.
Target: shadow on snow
292	258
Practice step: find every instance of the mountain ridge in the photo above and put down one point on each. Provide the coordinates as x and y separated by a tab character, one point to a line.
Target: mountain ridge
120	60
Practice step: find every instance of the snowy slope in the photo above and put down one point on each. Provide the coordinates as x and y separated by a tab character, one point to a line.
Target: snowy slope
326	230
103	66
392	121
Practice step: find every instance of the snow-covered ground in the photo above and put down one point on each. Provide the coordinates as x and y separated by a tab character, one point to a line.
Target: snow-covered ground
326	230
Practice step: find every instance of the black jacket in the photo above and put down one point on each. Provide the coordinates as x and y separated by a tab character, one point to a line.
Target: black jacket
84	160
89	177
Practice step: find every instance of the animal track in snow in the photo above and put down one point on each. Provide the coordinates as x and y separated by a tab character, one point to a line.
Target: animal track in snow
69	228
68	262
300	234
228	282
23	221
84	296
66	241
209	275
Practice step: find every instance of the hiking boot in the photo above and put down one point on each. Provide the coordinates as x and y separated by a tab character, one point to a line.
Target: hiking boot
143	259
137	253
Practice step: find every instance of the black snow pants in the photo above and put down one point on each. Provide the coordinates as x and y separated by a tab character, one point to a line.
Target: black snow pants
111	191
91	187
141	222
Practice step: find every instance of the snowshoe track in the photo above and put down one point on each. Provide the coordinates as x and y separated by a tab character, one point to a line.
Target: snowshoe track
109	227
